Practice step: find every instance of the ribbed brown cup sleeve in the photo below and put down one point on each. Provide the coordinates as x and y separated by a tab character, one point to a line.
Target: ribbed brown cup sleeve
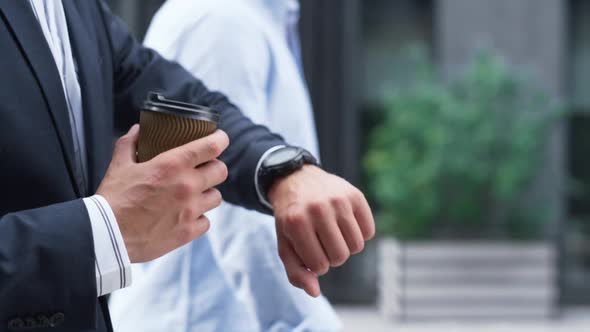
160	132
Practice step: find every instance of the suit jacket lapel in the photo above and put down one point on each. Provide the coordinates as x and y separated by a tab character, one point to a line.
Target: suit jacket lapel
29	35
96	127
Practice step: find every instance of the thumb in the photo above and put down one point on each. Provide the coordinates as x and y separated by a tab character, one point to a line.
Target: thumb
298	275
126	147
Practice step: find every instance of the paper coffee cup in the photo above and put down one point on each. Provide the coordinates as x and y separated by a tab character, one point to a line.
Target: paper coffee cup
166	124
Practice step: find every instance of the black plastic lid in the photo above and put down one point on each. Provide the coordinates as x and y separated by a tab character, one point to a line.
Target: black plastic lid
157	103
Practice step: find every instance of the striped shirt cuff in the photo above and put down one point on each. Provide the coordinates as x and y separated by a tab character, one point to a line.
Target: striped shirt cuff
113	267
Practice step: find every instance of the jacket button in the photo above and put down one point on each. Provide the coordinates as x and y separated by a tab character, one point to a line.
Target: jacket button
30	323
43	321
57	319
16	324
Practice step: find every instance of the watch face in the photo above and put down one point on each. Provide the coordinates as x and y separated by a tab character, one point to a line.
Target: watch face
281	156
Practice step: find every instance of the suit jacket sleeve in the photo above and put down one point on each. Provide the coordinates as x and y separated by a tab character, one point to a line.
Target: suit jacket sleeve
138	70
47	265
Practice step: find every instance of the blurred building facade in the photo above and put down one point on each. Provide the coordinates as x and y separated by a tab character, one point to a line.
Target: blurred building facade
350	50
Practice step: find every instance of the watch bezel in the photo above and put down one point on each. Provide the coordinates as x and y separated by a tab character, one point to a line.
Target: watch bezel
298	157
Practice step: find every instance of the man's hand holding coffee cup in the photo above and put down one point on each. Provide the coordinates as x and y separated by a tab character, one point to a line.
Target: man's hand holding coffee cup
321	220
160	204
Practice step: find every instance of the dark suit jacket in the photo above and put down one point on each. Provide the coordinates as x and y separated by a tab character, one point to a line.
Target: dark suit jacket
47	274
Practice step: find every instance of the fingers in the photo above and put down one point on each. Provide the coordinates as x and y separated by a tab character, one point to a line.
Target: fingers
329	231
363	215
126	147
333	242
193	229
200	226
210	199
212	173
200	151
299	276
350	229
200	203
299	229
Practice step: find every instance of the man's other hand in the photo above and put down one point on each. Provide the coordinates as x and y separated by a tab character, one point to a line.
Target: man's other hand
160	204
321	220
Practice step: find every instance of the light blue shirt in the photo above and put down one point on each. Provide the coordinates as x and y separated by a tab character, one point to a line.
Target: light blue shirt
231	279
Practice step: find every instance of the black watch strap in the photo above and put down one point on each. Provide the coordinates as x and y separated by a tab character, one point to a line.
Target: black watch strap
280	163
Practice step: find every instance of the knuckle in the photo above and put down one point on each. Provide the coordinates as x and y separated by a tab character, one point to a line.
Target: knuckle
190	214
225	137
356	246
367	228
295	279
122	141
203	224
316	207
340	258
189	156
216	197
337	201
184	190
155	179
223	170
321	267
356	195
294	221
200	180
167	166
370	233
213	147
217	171
147	189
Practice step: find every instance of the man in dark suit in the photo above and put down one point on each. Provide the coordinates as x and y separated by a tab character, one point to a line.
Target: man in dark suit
75	212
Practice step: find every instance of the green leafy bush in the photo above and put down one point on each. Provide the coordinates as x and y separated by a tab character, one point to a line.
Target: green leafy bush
455	160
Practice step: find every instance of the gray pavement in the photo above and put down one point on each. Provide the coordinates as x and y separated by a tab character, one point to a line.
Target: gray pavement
366	319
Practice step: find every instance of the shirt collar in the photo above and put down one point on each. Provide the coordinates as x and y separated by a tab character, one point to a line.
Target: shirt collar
283	12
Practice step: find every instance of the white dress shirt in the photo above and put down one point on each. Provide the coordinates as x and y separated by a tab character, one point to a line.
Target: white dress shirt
113	268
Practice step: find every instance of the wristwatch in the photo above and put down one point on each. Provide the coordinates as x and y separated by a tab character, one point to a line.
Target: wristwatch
280	163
